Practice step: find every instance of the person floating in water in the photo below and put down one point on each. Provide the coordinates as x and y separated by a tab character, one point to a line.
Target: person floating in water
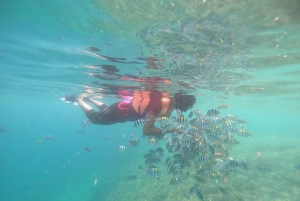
143	104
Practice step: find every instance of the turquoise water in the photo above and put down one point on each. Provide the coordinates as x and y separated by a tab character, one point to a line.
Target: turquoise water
42	59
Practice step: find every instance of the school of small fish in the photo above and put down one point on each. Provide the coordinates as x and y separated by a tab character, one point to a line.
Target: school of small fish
200	151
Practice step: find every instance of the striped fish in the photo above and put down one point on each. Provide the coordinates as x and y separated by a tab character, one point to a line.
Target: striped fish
191	190
182	120
153	171
186	140
197	113
199	194
150	161
139	122
152	141
244	133
216	145
159	154
215	175
216	119
231	116
177	156
199	179
263	168
147	156
168	162
191	114
172	169
240	120
166	126
211	150
229	122
244	165
203	159
162	120
215	129
213	136
194	128
152	152
175	181
233	164
212	113
202	122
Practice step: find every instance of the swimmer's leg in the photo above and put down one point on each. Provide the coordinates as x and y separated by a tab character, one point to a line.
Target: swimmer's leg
85	107
98	104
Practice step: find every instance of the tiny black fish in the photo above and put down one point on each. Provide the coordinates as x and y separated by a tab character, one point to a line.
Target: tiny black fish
191	114
222	190
106	137
92	49
131	178
87	149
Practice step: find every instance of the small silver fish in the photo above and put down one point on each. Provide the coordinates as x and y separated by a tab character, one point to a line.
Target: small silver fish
96	181
120	148
223	106
48	137
84	123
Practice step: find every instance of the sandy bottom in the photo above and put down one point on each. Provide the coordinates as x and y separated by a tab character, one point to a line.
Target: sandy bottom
282	182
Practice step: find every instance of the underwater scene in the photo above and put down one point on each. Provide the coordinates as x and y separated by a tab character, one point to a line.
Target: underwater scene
117	100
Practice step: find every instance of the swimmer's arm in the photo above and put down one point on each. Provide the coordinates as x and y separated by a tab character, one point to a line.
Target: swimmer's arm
149	129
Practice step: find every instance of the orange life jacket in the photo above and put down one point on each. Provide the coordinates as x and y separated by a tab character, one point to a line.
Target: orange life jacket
141	100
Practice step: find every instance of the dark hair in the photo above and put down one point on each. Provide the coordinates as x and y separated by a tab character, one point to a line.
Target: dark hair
184	102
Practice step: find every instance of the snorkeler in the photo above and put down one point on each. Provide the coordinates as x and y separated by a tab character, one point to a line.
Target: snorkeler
143	104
